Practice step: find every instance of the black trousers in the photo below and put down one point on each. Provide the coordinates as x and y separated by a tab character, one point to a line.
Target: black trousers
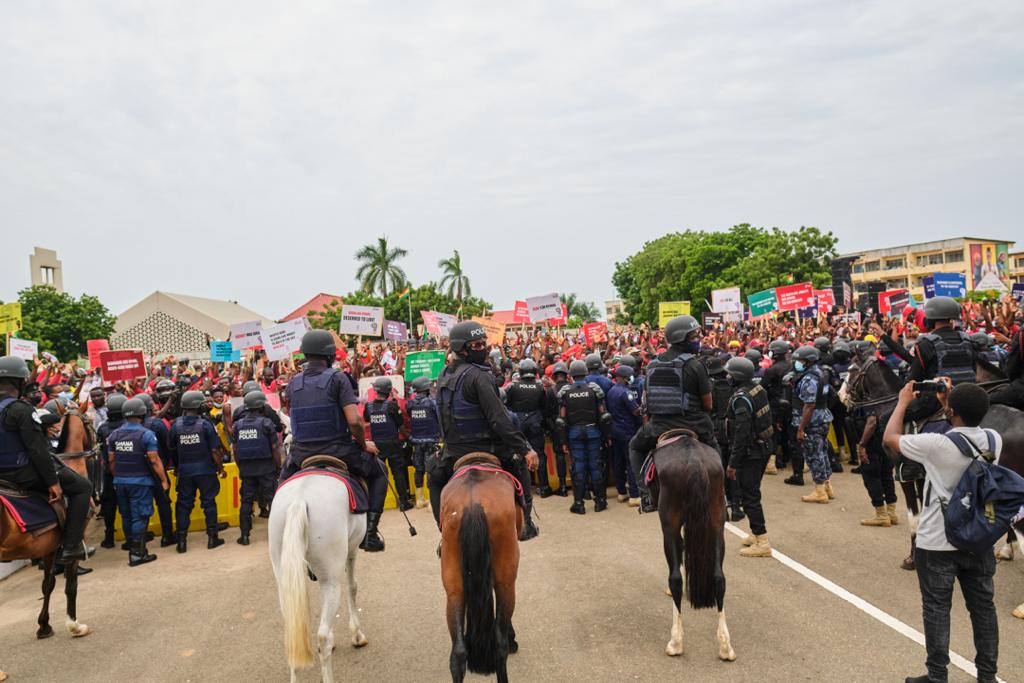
393	453
420	453
77	490
748	481
108	501
646	438
533	429
258	487
440	470
208	487
557	442
877	475
162	502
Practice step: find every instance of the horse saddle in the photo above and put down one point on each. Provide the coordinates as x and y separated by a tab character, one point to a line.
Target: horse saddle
359	501
25	512
673	435
487	463
476	459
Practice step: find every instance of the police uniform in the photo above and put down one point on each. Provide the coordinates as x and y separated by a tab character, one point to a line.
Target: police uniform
811	388
581	401
721	393
255	439
943	353
780	400
129	446
192	442
160	497
108	494
557	439
843	424
527	398
625	411
750	432
1012	394
424	433
385	420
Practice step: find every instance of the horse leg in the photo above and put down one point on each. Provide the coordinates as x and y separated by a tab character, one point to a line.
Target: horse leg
1005	554
330	597
71	593
725	651
674	556
456	615
910	495
358	639
504	567
49	581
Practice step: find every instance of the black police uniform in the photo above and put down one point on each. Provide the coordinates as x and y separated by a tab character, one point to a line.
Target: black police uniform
721	394
750	429
1012	394
255	439
108	495
385	420
582	401
160	497
944	352
841	422
780	400
528	399
557	440
192	442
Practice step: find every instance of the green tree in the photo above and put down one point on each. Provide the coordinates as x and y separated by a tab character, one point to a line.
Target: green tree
428	297
62	324
377	267
687	266
454	278
584	311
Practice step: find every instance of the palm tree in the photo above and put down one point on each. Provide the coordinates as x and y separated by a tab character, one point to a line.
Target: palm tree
377	267
584	310
454	278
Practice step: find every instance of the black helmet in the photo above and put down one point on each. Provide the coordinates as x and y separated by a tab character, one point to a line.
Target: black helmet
421	384
192	400
740	369
941	308
115	403
318	343
12	367
822	344
527	368
251	385
713	363
753	355
862	346
255	400
980	340
628	360
164	384
841	351
134	407
778	348
624	371
807	354
593	361
577	368
560	367
679	328
382	387
465	332
147	399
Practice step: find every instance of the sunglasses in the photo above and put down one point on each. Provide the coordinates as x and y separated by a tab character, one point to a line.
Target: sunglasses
477	345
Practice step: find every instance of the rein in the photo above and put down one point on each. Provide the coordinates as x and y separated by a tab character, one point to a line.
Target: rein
466	469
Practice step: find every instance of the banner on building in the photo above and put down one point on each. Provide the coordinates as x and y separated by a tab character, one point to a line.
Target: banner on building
23	348
365	320
762	303
395	331
795	297
495	330
424	364
245	335
122	366
543	308
726	300
950	284
282	340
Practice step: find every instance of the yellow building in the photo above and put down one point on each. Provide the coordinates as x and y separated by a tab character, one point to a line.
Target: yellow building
902	267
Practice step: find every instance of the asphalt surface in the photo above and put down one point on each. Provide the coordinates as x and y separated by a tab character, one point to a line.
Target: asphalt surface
591	605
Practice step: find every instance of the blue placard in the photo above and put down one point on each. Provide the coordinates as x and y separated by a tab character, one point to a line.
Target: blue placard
950	284
221	352
810	312
928	282
1018	291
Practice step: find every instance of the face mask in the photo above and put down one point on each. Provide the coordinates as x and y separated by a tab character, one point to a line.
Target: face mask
692	346
476	357
66	394
799	367
218	405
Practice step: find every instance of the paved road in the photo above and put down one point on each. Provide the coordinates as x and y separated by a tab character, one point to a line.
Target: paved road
591	605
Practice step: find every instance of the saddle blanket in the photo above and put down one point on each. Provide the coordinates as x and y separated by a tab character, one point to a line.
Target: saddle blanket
358	499
30	513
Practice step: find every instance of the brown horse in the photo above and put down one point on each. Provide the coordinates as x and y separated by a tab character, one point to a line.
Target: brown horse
690	488
480	527
42	544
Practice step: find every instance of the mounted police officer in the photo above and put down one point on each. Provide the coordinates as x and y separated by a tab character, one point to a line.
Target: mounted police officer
811	418
134	462
943	352
528	399
424	431
585	426
325	420
677	394
560	377
108	495
160	497
750	430
986	350
386	430
473	418
780	400
1012	394
25	459
258	454
196	451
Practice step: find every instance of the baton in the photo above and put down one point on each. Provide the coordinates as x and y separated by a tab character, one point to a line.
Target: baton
412	529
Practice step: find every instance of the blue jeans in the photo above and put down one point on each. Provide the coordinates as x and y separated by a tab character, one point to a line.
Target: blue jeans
585	446
136	505
621	468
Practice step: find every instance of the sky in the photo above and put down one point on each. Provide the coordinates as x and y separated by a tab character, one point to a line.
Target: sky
245	151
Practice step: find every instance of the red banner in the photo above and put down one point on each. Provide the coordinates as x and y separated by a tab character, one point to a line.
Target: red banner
826	300
792	297
556	322
117	366
95	346
592	332
521	315
892	298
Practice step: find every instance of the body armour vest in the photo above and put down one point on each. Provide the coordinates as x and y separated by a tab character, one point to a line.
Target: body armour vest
757	398
382	424
12	448
252	442
581	402
821	398
315	416
423	424
191	440
463	421
665	393
130	459
954	360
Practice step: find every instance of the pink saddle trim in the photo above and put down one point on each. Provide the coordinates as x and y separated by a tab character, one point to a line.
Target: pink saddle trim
488	468
14	513
322	473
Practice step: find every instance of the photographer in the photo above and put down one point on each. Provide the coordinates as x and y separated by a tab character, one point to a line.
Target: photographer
939	564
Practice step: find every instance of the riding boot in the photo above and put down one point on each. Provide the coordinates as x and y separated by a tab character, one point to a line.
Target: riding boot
139	555
182	541
736	513
108	537
530	529
213	540
372	541
167	539
647	503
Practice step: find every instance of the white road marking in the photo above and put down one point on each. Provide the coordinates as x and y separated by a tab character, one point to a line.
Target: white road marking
860	603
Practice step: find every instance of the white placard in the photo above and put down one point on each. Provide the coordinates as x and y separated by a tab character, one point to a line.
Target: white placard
361	320
245	335
446	321
544	307
726	300
281	341
366	383
24	348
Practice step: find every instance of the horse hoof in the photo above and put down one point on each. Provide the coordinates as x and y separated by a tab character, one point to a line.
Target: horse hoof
79	631
1005	554
1019	612
359	640
46	632
673	649
727	655
513	646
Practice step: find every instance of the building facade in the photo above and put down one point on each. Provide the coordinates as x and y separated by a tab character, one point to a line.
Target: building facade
612	310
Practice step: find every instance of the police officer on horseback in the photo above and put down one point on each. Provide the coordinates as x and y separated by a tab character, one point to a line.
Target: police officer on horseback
325	420
943	351
527	398
677	394
473	418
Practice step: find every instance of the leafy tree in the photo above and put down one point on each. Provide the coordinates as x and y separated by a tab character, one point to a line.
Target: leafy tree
584	311
428	297
377	266
687	266
62	324
454	279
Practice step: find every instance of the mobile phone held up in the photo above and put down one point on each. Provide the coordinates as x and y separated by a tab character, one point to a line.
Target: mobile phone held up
930	387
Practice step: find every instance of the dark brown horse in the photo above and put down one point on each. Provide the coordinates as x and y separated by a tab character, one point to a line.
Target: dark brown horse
480	527
43	544
689	486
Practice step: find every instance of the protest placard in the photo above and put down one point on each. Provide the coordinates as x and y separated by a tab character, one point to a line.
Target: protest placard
10	318
430	323
853	317
395	331
847	295
282	340
23	348
893	301
710	319
245	335
365	320
950	284
793	297
592	332
808	312
495	329
366	383
95	347
521	313
560	320
118	366
928	282
1018	291
224	352
762	302
826	300
726	300
446	322
670	309
424	364
544	307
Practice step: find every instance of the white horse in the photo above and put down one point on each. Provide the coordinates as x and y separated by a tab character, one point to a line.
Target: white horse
311	528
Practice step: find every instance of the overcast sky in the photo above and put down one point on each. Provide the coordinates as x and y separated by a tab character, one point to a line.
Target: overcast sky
246	150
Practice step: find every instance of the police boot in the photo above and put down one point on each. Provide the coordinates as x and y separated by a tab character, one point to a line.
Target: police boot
647	503
890	510
421	501
759	547
600	501
736	511
213	540
182	541
562	491
530	529
577	505
544	491
372	542
166	539
108	538
139	555
770	468
794	480
243	538
820	495
828	489
881	518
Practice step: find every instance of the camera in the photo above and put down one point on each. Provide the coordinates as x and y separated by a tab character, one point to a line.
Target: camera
930	386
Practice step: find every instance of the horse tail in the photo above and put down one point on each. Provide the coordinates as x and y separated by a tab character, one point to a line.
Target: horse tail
291	587
478	590
700	556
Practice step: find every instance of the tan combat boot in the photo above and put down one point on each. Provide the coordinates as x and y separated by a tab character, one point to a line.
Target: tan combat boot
820	495
881	518
828	490
748	540
770	468
890	510
760	548
421	502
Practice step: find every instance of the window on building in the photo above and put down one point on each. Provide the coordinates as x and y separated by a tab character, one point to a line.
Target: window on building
1019	262
935	260
954	257
859	267
872	266
894	263
898	283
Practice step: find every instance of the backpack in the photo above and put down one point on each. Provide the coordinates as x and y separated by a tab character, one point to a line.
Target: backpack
985	500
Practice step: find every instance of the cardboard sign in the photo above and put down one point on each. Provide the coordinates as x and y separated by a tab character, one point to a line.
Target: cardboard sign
847	295
424	364
592	332
893	301
495	329
281	341
928	282
950	284
95	347
762	303
366	320
851	317
438	324
793	297
446	322
521	313
430	323
726	300
122	366
366	383
245	335
544	307
557	322
23	348
10	317
395	331
670	309
1018	291
710	319
826	300
808	312
224	352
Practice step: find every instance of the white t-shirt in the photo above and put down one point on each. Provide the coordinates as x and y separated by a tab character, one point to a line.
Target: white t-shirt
944	464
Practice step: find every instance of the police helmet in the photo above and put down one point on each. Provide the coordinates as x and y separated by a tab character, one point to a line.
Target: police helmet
115	403
807	354
624	371
147	399
628	360
822	344
382	387
980	340
578	368
465	332
560	367
527	368
841	351
593	361
778	348
251	385
421	384
941	308
57	406
192	400
164	384
318	343
12	367
753	355
134	407
255	400
680	328
740	369
862	347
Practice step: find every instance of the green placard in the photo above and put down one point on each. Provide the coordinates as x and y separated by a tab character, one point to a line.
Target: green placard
424	363
762	302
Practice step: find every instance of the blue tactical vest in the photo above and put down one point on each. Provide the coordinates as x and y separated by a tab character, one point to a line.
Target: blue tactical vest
130	459
382	426
252	442
955	361
12	448
665	394
464	421
424	427
191	440
315	416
